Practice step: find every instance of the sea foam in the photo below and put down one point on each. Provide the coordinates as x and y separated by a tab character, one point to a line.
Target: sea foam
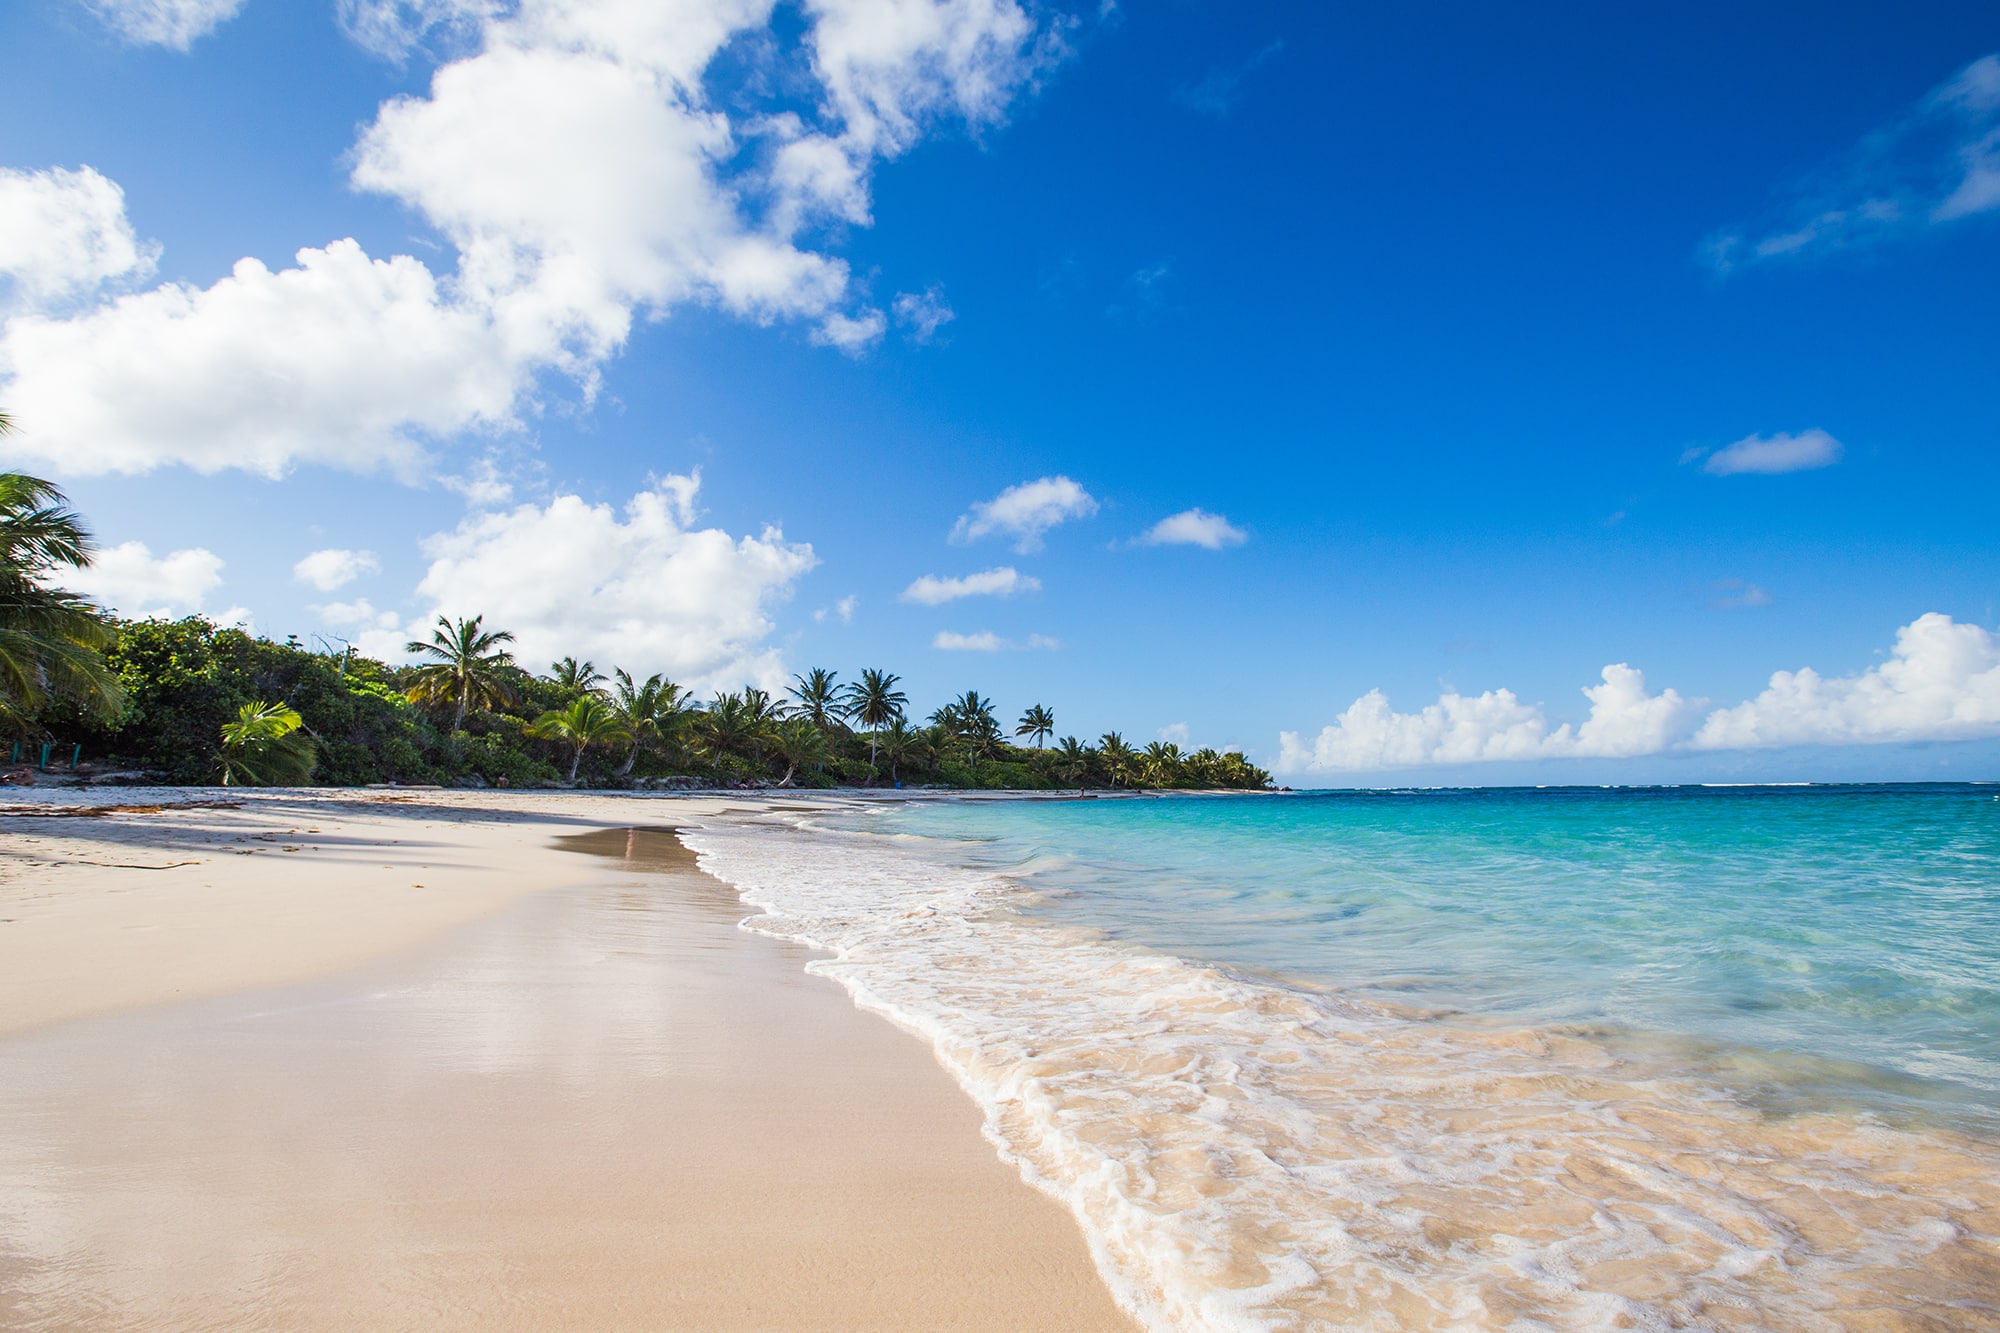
1245	1155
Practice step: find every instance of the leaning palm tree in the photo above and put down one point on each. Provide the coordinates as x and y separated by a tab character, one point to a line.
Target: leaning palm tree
1037	722
576	678
586	722
468	667
801	744
265	747
647	712
51	641
875	702
818	697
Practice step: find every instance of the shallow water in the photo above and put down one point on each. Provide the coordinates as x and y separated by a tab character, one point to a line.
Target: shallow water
1677	1059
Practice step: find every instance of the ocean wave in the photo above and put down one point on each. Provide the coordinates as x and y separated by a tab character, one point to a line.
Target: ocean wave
1245	1155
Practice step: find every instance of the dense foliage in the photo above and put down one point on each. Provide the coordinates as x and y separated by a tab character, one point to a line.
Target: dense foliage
184	681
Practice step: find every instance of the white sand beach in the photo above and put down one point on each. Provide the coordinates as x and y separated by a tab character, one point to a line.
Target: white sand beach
340	1060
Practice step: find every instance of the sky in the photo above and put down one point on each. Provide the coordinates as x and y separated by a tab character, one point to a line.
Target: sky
1404	395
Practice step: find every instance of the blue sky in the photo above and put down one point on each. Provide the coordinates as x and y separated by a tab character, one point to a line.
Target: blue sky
1476	351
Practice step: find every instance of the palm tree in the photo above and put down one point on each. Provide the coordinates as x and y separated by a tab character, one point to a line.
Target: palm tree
576	678
875	702
264	747
1072	759
818	696
586	722
724	726
469	667
1162	764
646	711
800	743
1037	722
1117	757
51	641
969	718
899	744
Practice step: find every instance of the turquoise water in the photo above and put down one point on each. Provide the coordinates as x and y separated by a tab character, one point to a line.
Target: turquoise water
1825	944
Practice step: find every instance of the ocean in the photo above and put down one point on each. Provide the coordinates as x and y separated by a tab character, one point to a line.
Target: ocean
1688	1057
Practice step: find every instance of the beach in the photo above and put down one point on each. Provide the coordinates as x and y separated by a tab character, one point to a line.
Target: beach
475	1060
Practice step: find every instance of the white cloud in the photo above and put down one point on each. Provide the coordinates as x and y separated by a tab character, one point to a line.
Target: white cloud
1770	455
923	313
174	23
842	610
1624	720
648	591
1937	164
930	590
1026	512
1941	682
335	567
129	580
986	641
584	179
1194	527
1217	92
1733	594
64	235
1175	733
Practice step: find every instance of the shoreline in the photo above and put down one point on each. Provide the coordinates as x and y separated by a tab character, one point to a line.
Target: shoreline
547	1089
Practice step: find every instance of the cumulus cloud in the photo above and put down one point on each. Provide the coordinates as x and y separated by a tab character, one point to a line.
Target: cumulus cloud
130	580
986	641
335	567
1770	455
1941	682
1026	512
1624	720
1939	163
1194	527
64	235
648	590
579	169
931	590
174	23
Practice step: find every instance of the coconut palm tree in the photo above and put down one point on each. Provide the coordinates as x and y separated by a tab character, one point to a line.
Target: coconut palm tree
51	641
900	743
264	747
468	667
725	726
801	744
818	697
1037	722
576	678
1073	759
1161	764
1117	756
647	712
586	722
874	702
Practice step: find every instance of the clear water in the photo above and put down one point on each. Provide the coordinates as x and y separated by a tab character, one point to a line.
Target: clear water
1830	943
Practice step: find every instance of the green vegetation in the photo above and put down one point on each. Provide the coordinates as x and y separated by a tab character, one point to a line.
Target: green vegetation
187	701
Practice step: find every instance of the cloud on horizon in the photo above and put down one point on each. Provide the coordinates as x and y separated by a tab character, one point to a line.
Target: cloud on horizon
130	580
1940	683
1937	164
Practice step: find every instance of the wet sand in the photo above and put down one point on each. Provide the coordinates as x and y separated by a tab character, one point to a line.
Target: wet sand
600	1107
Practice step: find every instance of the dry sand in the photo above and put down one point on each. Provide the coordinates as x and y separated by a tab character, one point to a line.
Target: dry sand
566	1093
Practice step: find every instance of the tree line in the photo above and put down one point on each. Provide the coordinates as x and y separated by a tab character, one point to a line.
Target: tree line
187	701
